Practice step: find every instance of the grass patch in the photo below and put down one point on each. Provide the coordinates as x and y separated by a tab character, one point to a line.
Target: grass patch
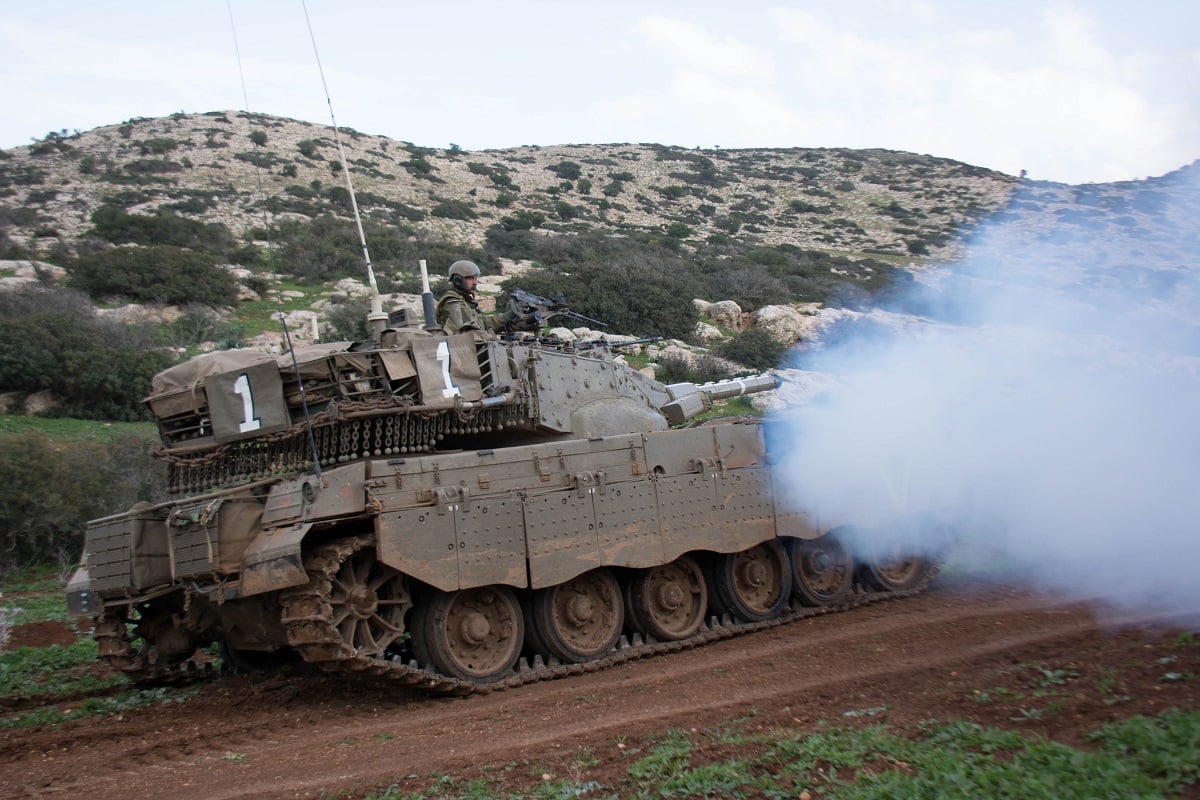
259	316
68	428
98	707
1138	757
33	595
54	671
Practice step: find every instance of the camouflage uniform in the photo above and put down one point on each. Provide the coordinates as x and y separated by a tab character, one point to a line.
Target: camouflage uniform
458	311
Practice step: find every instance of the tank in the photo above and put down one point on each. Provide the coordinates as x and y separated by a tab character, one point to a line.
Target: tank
457	513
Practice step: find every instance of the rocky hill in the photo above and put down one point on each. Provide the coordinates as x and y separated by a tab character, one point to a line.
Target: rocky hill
235	168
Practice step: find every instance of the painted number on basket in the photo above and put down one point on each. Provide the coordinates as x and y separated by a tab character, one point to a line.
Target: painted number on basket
249	422
443	357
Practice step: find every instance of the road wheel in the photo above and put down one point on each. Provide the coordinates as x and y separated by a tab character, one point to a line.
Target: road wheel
822	570
752	585
582	619
473	634
668	602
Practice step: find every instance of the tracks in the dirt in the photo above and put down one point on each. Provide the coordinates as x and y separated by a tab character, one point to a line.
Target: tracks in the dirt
287	737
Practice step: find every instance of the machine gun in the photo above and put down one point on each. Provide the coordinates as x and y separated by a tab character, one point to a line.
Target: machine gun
591	344
524	304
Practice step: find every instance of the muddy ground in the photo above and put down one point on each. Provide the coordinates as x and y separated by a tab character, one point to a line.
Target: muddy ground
989	653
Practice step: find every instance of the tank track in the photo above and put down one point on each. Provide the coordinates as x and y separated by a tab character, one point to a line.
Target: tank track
306	616
116	648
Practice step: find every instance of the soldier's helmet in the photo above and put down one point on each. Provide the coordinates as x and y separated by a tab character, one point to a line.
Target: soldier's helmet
460	270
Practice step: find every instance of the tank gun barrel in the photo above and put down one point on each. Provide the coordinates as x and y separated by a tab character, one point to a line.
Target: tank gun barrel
689	399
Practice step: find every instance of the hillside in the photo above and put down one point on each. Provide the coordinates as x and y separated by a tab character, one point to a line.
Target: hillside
207	167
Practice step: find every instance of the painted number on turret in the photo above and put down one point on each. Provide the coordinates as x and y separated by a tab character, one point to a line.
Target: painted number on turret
443	357
250	422
246	402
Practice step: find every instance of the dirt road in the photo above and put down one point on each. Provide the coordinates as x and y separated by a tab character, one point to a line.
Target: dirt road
945	654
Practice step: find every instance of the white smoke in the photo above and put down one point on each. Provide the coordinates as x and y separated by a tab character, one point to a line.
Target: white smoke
1049	412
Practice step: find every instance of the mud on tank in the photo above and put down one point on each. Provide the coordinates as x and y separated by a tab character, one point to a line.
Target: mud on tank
454	512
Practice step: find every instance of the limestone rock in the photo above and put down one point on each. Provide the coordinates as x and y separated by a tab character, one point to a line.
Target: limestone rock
38	402
727	313
706	334
786	324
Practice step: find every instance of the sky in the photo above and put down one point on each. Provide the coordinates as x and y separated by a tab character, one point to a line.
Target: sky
1072	92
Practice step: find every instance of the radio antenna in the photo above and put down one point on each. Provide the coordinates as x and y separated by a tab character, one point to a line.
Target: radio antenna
376	320
287	336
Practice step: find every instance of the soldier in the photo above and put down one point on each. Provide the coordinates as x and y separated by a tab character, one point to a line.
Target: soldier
457	309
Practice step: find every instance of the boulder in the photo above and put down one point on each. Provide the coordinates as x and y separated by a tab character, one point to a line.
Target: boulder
38	402
727	313
707	334
135	313
350	287
787	324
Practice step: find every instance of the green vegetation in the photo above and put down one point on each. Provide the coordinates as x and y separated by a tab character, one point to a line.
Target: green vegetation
51	340
98	706
113	224
610	275
1139	757
155	274
647	297
33	676
755	348
51	486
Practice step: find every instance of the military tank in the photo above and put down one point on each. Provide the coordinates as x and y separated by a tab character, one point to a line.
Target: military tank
457	513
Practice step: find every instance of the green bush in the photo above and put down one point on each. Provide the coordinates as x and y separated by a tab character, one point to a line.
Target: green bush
453	209
647	296
49	489
755	348
523	220
679	369
95	369
157	146
347	320
567	170
113	223
328	248
156	274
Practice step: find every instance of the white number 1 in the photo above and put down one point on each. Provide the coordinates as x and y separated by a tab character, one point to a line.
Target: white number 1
443	355
249	422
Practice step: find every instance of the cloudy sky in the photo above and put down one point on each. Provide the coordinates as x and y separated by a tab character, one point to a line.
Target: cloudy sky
1075	92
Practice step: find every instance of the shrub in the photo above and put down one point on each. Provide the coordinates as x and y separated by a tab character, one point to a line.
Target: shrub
755	348
347	320
165	227
157	146
567	170
307	148
453	209
155	274
633	294
676	368
48	491
523	220
259	138
96	370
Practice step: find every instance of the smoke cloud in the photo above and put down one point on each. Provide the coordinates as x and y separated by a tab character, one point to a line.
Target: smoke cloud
1047	408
